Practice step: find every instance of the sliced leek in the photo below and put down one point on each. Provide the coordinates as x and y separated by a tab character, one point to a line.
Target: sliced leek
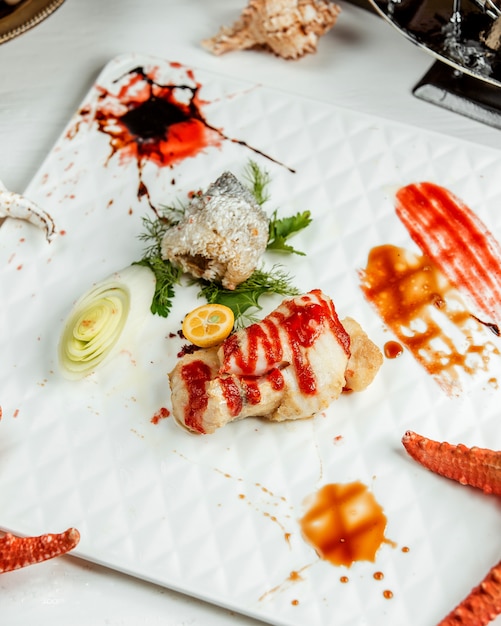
103	319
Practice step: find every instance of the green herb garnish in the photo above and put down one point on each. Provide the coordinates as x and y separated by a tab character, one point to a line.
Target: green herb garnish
167	275
258	180
246	295
283	228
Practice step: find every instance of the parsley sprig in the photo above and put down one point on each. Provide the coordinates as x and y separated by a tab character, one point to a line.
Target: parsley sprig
245	296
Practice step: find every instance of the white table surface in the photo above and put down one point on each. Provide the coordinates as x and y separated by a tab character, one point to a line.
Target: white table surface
362	64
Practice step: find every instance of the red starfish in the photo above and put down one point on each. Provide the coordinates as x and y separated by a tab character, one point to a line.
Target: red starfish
481	468
17	552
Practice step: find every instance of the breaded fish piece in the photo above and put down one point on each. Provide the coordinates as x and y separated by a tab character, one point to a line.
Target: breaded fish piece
204	401
291	365
222	235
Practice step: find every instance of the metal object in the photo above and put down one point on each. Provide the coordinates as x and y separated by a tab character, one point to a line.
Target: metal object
21	17
453	32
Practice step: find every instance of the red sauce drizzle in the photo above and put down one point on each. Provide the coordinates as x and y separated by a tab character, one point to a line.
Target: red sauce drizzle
196	375
276	379
303	328
344	524
261	338
458	242
252	391
302	325
232	395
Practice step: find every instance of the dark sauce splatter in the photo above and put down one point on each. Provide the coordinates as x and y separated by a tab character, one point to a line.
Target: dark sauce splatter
494	328
163	124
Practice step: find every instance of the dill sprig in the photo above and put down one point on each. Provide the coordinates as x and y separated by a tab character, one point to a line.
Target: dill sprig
155	228
246	295
259	181
167	275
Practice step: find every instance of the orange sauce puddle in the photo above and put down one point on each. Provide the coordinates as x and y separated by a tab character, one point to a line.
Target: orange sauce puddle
344	524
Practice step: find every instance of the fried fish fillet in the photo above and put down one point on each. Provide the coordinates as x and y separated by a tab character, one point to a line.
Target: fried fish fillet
291	365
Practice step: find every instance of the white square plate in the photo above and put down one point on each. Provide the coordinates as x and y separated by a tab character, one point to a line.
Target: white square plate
217	516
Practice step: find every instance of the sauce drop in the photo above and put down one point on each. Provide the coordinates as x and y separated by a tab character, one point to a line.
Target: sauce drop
161	414
392	349
344	524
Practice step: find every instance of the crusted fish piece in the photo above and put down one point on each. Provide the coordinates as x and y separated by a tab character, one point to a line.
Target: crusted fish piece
288	28
222	235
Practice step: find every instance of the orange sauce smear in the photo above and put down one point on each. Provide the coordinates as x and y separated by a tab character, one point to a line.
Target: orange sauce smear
417	302
344	524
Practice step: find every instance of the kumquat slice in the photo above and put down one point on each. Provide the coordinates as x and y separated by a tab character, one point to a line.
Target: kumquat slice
208	325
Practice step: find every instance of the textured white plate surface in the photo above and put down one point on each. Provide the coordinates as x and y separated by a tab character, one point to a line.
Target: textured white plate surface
217	516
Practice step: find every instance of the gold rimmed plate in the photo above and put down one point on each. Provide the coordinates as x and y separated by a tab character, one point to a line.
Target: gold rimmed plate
17	19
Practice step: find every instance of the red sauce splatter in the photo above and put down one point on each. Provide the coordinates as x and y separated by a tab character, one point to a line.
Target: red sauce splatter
457	241
232	396
344	579
378	575
196	375
344	524
149	121
387	594
161	414
295	602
